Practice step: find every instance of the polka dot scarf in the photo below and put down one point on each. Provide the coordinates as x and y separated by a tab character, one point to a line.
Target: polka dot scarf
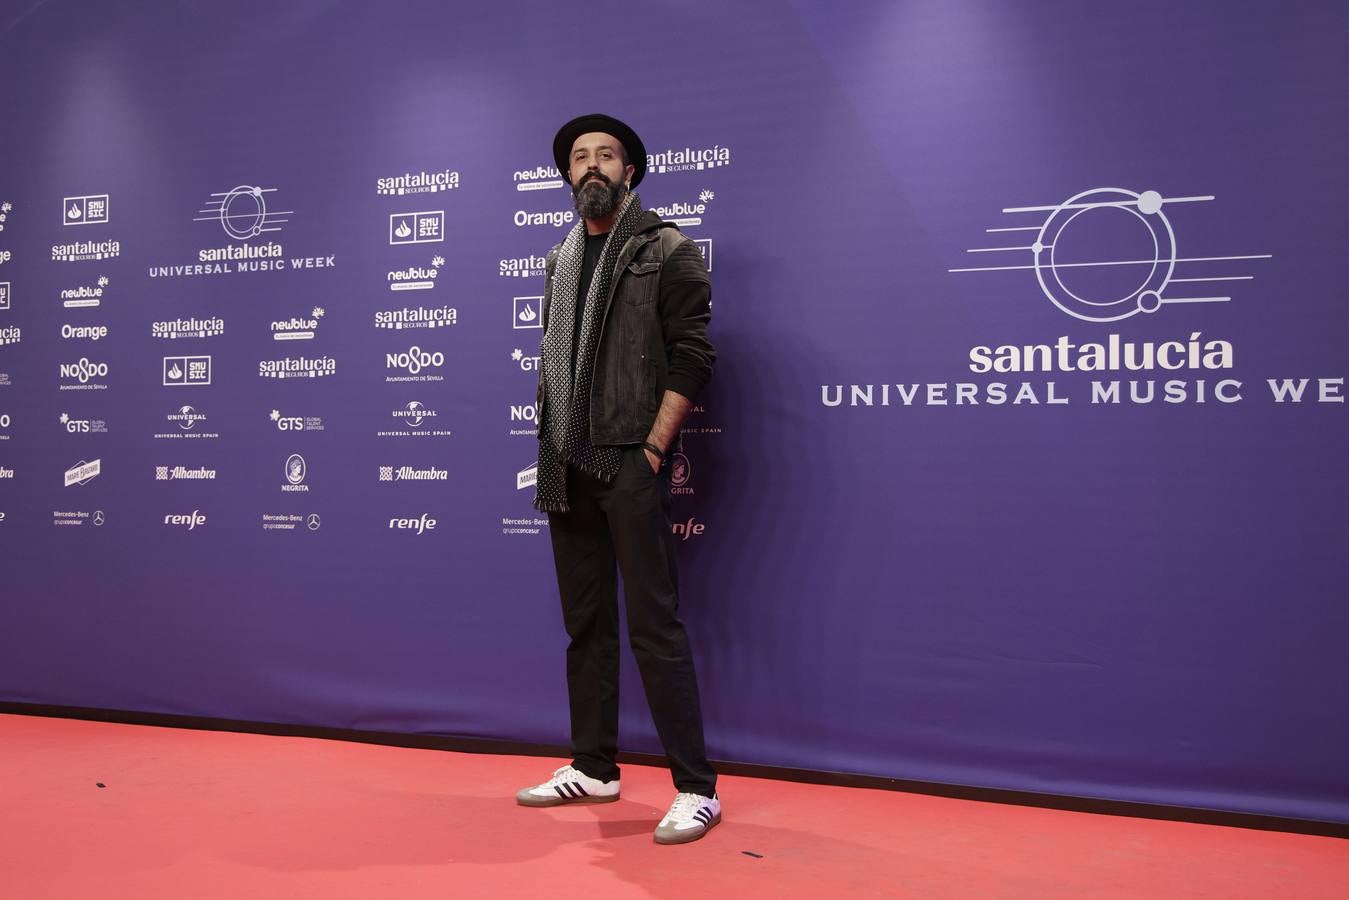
564	429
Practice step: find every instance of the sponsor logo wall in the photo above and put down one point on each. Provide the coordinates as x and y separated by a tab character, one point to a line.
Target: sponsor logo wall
1059	412
9	334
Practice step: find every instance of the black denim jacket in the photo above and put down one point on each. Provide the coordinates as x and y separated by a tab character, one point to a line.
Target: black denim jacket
653	336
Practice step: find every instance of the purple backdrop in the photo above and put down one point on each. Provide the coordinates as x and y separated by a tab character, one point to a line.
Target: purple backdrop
1121	581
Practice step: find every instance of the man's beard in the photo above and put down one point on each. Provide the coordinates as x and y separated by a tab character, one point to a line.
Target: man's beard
597	196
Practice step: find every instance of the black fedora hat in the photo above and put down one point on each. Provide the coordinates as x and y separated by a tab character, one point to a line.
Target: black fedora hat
567	135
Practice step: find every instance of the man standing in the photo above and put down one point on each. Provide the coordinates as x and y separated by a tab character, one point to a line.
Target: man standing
625	350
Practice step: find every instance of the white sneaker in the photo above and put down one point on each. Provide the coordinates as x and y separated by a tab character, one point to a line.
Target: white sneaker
568	785
690	817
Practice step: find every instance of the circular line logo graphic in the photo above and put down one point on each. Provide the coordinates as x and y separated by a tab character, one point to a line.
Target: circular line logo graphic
243	211
1107	254
1145	208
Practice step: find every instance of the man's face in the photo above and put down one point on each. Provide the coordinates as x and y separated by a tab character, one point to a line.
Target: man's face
598	175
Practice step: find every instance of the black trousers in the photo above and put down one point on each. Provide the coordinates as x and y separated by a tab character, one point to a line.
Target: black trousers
626	523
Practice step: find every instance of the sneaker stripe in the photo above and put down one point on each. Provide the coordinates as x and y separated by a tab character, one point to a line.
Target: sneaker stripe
561	793
577	785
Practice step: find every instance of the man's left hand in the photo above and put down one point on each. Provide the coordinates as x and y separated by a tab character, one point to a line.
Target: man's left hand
653	459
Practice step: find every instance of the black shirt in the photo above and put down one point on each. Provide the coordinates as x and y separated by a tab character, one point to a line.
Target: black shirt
591	259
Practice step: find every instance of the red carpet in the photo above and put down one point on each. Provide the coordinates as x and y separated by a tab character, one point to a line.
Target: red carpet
194	814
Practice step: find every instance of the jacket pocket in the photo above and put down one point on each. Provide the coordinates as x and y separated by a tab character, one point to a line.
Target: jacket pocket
653	392
641	282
